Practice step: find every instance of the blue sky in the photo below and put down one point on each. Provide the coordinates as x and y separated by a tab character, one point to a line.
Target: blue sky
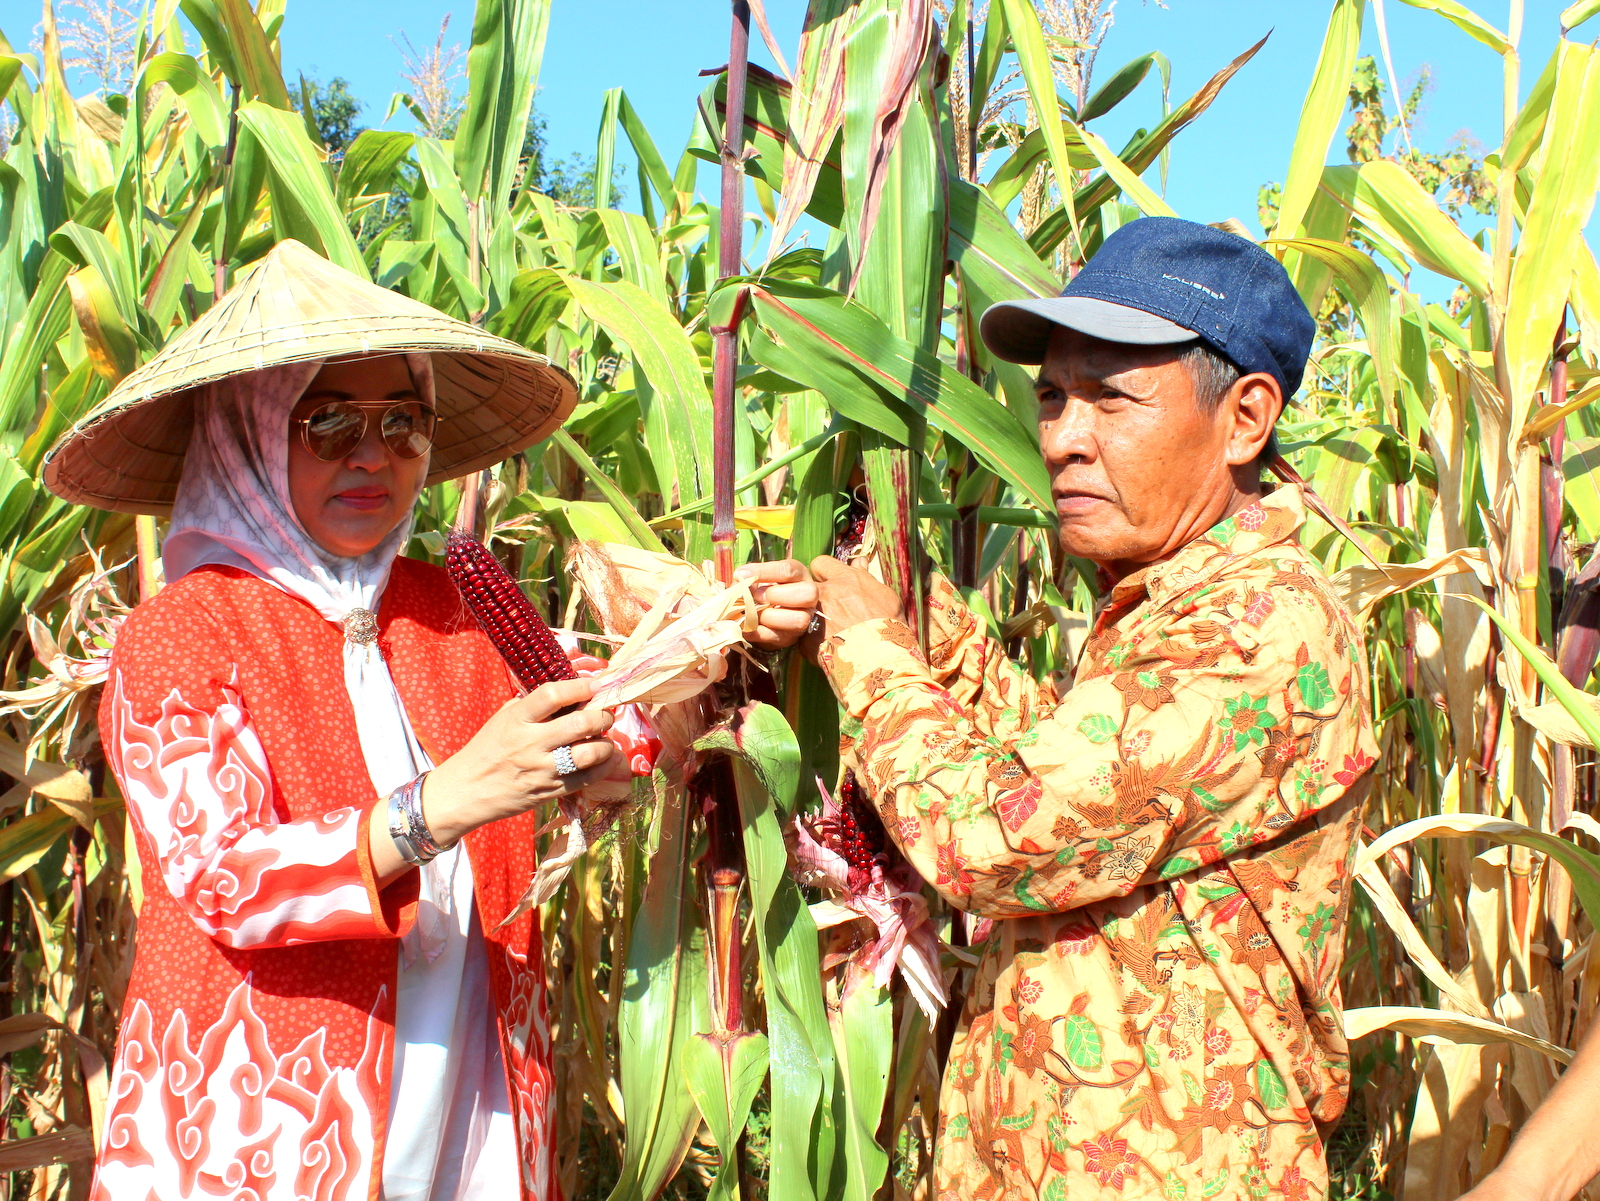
654	49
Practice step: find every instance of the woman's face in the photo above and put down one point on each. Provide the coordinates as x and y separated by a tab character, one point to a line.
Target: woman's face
350	505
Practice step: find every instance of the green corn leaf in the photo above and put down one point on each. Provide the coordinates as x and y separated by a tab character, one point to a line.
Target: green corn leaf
83	388
1127	179
370	163
1572	698
1033	56
303	205
1563	195
1527	131
723	1079
818	327
110	343
1006	184
26	840
1385	196
92	248
1321	115
454	240
43	322
1469	22
10	72
207	22
996	261
663	356
1576	14
259	76
766	777
1138	155
172	269
1116	89
208	112
996	38
605	150
1366	288
634	244
538	298
663	1005
636	525
863	1039
652	167
502	76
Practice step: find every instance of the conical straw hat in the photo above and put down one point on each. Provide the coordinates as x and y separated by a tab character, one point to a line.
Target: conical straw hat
494	397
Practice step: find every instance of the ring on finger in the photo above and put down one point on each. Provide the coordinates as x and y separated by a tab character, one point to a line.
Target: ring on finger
565	766
816	622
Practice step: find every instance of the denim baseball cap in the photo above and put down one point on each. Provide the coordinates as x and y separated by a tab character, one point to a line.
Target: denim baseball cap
1161	280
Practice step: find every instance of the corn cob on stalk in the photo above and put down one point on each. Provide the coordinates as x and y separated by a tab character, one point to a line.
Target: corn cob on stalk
505	614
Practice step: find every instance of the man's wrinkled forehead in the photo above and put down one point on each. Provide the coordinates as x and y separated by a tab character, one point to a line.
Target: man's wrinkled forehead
1076	356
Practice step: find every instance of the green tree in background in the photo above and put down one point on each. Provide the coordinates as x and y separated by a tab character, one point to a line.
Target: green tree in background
334	109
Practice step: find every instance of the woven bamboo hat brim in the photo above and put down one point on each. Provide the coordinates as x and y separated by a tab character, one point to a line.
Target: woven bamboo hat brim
494	398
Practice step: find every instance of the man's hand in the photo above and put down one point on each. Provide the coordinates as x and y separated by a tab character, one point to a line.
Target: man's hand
786	587
851	595
845	595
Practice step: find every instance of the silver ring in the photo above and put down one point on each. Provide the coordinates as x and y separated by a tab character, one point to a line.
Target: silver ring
816	622
564	764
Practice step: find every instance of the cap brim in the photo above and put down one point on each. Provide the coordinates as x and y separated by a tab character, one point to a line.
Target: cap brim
1018	331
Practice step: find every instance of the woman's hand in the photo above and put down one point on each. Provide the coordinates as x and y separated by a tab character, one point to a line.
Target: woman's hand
786	588
509	766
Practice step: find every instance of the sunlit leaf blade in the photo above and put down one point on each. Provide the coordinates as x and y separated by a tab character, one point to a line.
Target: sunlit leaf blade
663	1006
1321	114
502	77
1576	14
1469	22
1427	1024
303	203
1033	57
1563	195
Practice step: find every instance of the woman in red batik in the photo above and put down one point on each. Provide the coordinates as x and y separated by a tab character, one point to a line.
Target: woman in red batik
330	794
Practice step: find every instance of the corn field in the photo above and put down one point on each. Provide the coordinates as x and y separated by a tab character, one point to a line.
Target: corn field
947	152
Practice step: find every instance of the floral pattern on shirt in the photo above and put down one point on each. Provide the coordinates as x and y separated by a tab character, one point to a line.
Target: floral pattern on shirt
1164	850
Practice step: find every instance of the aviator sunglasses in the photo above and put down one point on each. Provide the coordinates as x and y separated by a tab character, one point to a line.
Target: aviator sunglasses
333	430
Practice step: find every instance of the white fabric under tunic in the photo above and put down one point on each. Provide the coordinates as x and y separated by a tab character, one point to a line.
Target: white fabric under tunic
451	1135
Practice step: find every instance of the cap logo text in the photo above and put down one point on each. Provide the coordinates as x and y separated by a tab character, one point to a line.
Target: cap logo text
1178	279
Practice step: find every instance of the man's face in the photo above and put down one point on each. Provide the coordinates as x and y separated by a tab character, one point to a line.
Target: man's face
1137	468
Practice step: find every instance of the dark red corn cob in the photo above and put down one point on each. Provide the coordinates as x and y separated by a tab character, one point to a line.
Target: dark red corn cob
506	615
860	832
853	528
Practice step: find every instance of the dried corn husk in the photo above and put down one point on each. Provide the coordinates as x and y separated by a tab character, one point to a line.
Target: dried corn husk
676	629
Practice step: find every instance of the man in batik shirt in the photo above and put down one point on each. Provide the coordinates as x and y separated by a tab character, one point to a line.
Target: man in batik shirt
1161	854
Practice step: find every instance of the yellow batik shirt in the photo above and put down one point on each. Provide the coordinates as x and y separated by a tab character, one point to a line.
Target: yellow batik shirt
1165	850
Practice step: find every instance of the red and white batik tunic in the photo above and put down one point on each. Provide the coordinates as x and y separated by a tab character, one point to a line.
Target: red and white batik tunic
257	1043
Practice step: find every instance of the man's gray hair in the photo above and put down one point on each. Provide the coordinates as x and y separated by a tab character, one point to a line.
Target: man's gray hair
1213	374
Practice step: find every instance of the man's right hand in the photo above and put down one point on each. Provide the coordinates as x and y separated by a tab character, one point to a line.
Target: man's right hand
786	588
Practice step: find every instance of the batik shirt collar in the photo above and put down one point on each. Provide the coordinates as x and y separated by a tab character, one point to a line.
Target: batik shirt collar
1273	519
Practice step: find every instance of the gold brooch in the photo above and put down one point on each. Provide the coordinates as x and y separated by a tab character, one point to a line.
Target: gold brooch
361	627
